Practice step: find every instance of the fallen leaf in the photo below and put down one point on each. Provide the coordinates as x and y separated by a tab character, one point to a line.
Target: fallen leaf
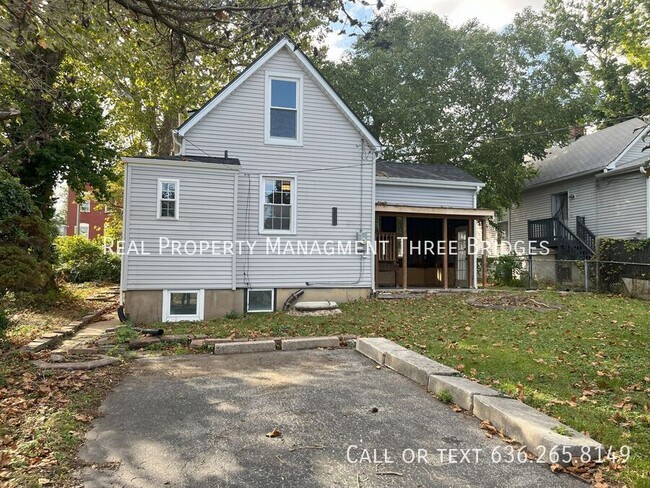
274	433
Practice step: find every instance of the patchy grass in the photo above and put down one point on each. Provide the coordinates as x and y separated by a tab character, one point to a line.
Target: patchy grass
586	364
43	418
33	314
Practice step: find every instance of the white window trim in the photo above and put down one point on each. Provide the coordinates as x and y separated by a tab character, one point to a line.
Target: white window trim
168	317
84	226
282	141
159	198
82	204
294	206
248	293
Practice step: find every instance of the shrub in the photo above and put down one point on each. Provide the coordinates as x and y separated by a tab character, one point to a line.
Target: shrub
506	270
81	260
5	322
25	240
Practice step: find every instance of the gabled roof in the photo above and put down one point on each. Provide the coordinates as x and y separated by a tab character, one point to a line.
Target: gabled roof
424	171
589	154
283	43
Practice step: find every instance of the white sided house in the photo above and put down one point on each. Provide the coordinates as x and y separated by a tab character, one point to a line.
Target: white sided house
276	189
597	186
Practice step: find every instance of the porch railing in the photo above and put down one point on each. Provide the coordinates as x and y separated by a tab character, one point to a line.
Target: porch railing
585	234
557	234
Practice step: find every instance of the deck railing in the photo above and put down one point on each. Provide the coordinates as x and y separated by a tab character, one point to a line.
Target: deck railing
556	233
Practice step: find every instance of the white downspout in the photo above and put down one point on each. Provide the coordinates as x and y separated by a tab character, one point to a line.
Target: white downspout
373	265
235	217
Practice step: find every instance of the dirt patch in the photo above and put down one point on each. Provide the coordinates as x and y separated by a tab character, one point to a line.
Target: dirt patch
511	302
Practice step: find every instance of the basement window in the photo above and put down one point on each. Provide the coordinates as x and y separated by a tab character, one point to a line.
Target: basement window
179	305
260	300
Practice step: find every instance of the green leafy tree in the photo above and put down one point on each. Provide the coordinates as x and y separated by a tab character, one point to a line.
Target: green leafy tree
614	35
25	240
468	96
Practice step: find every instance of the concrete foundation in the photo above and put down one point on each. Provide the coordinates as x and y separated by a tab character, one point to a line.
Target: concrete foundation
145	306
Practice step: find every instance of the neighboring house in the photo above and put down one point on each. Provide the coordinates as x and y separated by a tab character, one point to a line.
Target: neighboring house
597	186
277	157
86	218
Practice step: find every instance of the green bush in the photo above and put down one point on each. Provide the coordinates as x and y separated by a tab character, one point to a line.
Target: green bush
505	270
5	322
80	260
25	240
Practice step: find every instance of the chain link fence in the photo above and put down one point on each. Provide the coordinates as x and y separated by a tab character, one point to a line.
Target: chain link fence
593	275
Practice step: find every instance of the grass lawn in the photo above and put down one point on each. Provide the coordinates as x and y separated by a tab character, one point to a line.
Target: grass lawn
587	364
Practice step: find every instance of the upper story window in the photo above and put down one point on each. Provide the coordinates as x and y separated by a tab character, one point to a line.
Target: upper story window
168	199
283	110
84	206
278	205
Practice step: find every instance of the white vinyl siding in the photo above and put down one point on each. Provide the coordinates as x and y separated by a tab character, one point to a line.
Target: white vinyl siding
334	168
634	152
424	197
207	215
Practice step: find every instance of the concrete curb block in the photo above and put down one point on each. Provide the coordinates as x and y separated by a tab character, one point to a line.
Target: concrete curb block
526	425
416	366
244	347
534	430
309	343
376	348
462	390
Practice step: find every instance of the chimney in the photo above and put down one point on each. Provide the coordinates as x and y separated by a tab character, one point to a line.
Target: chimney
576	132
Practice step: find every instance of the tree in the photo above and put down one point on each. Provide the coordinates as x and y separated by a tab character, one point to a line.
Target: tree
468	96
25	240
613	34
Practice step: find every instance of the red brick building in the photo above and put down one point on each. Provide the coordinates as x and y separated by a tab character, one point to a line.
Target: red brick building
86	218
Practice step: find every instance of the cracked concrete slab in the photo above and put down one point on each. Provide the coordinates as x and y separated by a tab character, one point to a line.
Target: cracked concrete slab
201	421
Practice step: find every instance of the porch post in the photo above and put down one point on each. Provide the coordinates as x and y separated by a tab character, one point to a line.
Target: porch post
404	253
445	257
483	253
470	257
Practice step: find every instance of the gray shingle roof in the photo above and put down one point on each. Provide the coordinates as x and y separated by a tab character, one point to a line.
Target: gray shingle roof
196	159
423	171
589	154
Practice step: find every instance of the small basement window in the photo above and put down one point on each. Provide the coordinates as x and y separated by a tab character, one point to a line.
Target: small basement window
168	199
179	305
260	300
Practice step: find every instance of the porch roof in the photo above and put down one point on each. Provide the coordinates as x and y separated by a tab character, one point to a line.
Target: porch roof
467	213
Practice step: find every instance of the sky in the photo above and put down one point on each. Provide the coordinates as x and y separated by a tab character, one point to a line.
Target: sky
493	13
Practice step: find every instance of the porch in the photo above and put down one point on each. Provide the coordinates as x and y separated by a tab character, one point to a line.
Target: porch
427	247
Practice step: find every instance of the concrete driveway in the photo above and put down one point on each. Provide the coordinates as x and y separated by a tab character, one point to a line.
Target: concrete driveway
200	421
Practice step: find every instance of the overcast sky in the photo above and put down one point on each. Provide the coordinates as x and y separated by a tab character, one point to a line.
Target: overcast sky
494	13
